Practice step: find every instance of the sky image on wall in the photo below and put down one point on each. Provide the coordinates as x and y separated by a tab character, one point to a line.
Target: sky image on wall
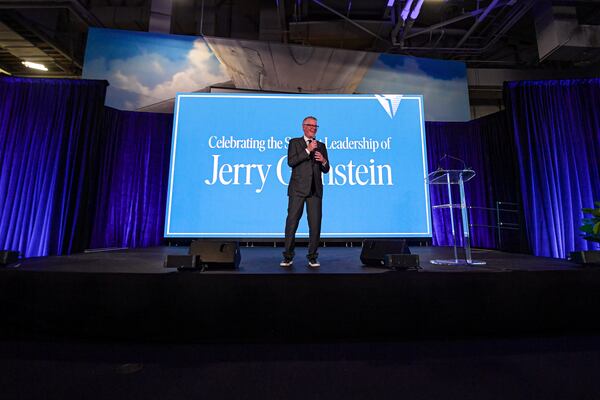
145	68
146	71
442	83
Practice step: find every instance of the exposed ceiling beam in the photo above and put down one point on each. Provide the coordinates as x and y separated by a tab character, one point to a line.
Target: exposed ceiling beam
478	21
359	26
44	38
518	11
78	10
450	21
2	71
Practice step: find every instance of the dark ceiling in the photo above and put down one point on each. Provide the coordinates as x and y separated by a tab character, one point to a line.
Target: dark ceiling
522	34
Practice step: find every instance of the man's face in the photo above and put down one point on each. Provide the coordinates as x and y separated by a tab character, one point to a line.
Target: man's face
310	128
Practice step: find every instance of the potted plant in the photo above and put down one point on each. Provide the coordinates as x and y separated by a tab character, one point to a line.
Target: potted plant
591	232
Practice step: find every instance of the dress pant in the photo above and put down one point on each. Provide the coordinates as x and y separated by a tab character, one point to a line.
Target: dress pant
314	211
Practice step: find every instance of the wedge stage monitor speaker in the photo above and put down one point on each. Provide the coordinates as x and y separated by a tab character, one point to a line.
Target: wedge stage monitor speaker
401	262
387	253
183	262
216	255
8	257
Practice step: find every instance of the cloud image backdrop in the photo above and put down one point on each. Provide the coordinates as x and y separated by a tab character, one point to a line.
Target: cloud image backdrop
147	68
443	84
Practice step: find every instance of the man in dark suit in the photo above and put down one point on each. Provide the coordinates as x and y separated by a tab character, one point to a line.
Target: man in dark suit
308	159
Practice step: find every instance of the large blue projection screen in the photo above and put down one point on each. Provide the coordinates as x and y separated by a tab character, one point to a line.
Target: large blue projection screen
228	175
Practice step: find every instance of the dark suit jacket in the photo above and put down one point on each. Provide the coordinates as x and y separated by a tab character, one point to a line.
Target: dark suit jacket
303	167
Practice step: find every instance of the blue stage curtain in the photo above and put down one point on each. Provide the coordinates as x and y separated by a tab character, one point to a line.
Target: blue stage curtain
48	137
134	167
486	146
71	171
557	132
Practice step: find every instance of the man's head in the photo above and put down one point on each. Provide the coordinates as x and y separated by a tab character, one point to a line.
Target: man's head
309	126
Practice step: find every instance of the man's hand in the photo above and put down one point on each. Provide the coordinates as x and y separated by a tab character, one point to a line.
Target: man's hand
312	146
319	157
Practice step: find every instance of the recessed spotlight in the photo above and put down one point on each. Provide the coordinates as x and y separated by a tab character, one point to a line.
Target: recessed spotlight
33	65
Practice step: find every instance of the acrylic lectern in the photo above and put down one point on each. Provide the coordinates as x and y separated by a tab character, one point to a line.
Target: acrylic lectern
458	177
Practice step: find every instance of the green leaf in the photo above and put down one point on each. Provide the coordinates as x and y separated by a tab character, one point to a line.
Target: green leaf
587	210
587	228
597	203
596	228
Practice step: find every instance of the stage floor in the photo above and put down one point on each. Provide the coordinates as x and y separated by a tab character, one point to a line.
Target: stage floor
265	260
127	294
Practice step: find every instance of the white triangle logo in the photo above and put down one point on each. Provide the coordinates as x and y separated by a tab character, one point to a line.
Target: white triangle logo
389	102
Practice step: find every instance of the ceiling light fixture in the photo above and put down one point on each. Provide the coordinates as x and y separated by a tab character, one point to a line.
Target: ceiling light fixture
33	65
415	12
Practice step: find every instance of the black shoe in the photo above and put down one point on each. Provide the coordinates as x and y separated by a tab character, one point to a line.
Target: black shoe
313	263
286	263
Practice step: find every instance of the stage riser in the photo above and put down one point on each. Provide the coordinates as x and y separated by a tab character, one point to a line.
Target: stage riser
244	307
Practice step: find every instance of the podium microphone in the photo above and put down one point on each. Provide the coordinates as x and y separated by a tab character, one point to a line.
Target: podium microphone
452	158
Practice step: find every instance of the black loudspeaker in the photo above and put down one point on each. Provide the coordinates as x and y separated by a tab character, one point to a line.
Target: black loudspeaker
181	262
216	255
401	262
8	257
374	251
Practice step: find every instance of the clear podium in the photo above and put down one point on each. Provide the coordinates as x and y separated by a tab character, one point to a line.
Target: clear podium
458	177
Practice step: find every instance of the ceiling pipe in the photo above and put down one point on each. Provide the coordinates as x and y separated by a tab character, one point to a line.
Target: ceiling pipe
478	21
454	20
388	9
399	24
282	20
411	20
516	16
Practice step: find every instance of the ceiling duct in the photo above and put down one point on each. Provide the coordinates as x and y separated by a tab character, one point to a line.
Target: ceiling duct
560	36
